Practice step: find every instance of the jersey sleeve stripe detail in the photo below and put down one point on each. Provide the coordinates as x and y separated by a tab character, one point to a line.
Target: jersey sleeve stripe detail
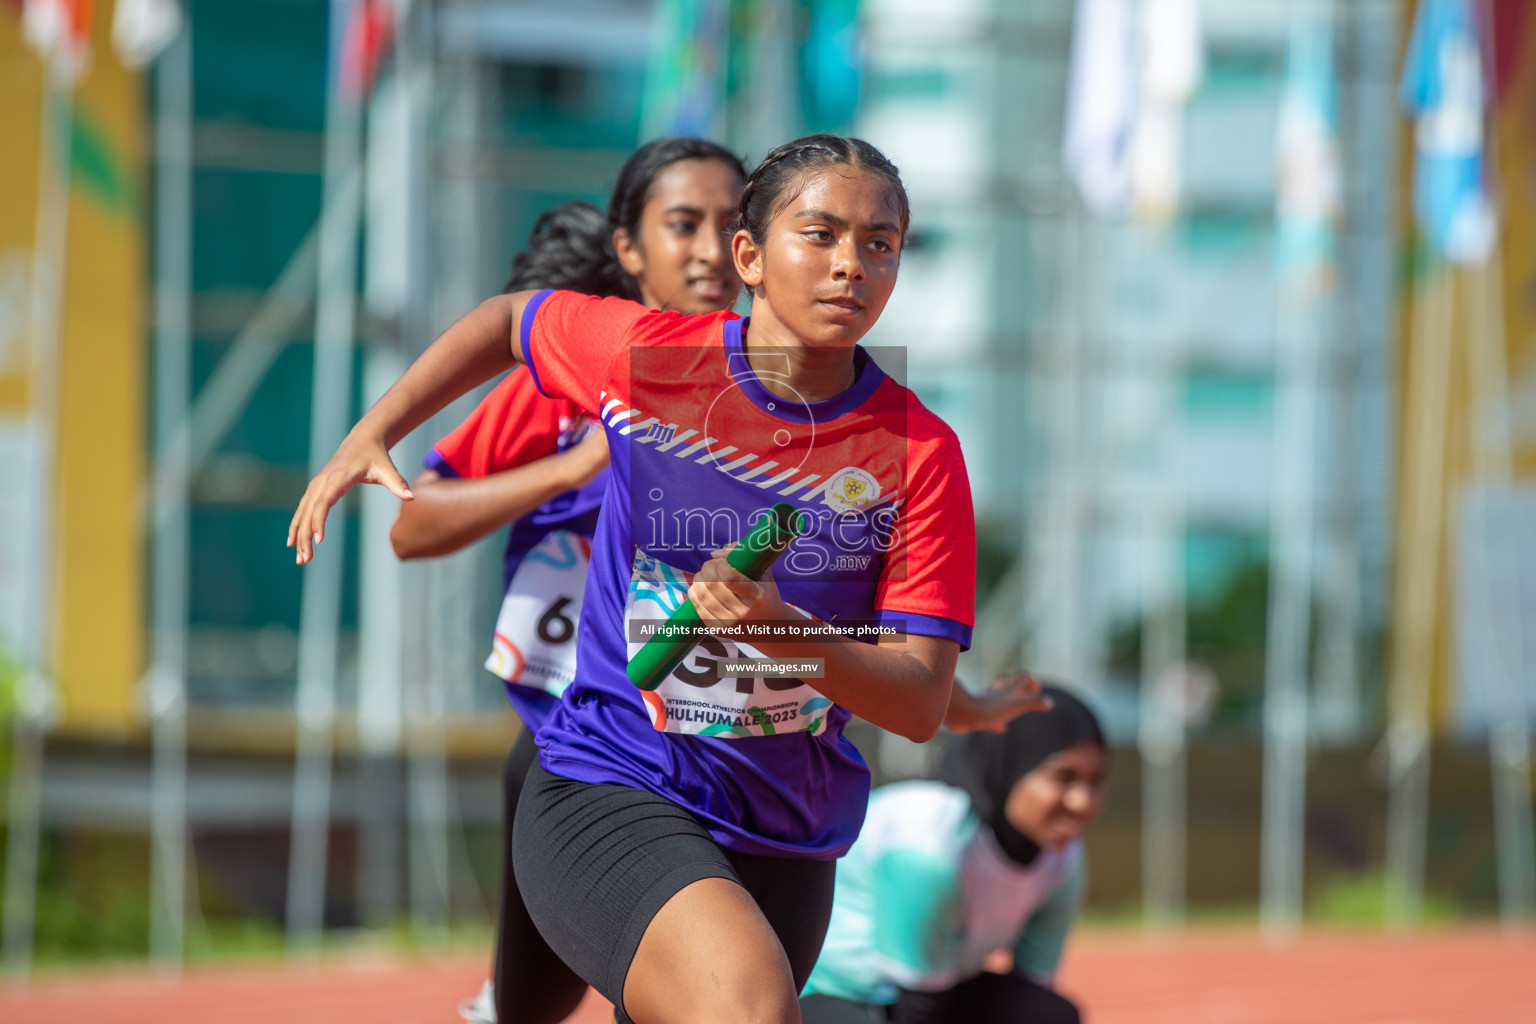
631	428
774	481
810	478
435	461
677	439
525	335
926	625
619	417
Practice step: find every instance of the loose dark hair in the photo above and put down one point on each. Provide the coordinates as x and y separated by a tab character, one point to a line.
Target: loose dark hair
568	249
571	246
778	179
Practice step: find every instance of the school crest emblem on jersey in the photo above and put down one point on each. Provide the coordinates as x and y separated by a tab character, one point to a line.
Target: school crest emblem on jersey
851	490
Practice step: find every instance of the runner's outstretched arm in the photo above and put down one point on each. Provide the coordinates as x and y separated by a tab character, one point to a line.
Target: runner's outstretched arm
476	348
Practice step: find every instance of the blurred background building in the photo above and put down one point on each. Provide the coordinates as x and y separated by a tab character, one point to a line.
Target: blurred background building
1032	326
1161	491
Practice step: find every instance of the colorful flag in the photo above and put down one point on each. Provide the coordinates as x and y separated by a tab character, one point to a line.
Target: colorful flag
1308	196
60	30
141	29
1101	104
1445	88
685	78
1507	29
833	64
1172	64
370	31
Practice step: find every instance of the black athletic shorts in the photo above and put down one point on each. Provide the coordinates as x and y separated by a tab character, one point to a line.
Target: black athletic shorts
532	984
595	862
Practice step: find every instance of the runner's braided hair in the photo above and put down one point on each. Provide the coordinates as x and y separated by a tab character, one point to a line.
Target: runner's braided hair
571	246
778	179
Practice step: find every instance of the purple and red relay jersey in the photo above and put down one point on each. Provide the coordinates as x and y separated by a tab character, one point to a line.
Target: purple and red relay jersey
700	449
513	426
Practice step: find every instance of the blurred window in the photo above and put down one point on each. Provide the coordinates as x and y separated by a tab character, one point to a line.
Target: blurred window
1217	233
911	83
1221	393
1230	70
566	105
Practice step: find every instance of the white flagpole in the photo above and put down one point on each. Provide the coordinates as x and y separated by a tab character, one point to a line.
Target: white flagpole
37	697
1509	749
1423	518
320	608
165	682
1306	201
1172	65
1287	635
1163	671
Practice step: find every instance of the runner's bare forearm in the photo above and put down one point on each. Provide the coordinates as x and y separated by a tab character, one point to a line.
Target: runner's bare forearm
449	514
480	344
902	684
475	349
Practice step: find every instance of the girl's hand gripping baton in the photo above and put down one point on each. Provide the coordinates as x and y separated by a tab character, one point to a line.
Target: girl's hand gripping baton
758	550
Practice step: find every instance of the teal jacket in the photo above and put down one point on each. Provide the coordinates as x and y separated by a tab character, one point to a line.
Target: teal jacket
925	896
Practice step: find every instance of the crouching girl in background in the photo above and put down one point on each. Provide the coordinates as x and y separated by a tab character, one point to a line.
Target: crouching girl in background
955	903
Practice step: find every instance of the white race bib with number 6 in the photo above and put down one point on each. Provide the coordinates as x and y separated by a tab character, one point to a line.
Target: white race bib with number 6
535	642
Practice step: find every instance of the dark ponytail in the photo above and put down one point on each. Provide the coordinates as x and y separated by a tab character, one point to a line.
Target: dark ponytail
778	179
571	246
568	248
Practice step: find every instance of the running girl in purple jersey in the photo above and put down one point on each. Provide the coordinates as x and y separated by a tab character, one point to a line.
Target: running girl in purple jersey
676	849
539	464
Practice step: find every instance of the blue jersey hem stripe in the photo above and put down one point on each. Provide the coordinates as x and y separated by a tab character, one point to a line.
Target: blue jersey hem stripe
533	705
927	625
435	461
525	335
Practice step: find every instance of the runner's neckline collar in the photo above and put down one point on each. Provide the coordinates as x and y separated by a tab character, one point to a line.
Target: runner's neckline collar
867	379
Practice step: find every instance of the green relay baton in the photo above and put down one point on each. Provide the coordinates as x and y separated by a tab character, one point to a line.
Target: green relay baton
758	550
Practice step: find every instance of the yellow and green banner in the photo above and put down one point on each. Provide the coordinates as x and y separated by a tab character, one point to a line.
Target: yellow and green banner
71	544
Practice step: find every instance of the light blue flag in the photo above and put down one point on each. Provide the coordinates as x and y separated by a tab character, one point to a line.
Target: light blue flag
1308	196
1445	88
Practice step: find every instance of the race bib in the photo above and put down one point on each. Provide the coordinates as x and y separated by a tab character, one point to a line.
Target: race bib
535	642
692	700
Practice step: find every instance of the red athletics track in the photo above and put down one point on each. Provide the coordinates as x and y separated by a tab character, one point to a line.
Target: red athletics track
1209	977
